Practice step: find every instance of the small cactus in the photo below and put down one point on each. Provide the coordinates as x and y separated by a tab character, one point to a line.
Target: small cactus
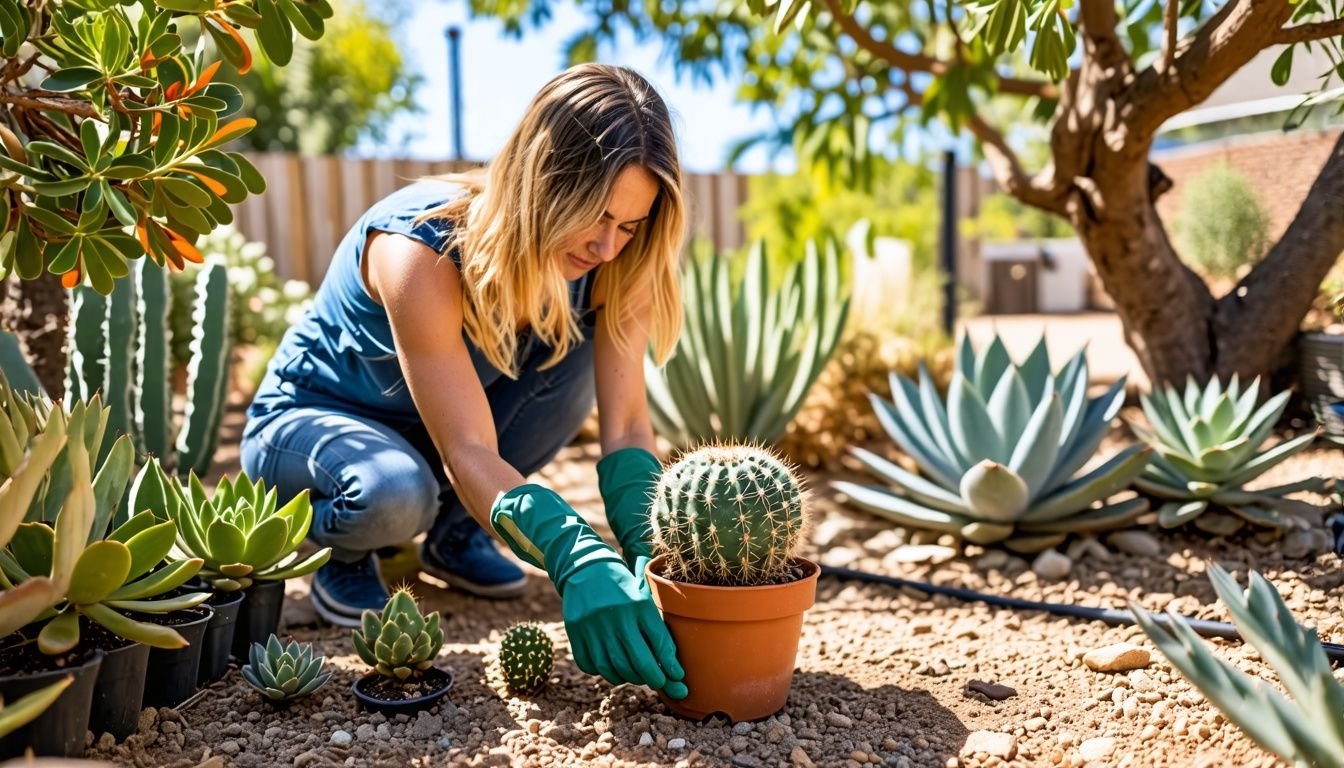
525	657
400	642
729	515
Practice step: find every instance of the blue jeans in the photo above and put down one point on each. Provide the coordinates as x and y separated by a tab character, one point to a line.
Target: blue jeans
375	484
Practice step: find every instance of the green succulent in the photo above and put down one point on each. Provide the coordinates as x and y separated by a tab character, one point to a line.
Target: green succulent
1207	443
58	565
1000	459
728	515
400	642
238	532
284	672
1306	729
526	657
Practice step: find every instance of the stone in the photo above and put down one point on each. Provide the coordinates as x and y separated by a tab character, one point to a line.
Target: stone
993	691
742	728
341	738
1137	543
148	717
840	557
1001	745
992	560
676	743
365	732
837	720
799	758
920	553
1119	657
1051	565
646	739
230	748
1097	749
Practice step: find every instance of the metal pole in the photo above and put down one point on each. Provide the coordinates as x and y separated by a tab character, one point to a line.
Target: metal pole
949	241
455	87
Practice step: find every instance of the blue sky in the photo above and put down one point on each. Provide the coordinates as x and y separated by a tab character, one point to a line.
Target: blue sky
500	75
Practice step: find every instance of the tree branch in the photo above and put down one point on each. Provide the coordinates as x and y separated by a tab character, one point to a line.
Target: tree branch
68	106
918	62
1304	32
1169	20
1040	191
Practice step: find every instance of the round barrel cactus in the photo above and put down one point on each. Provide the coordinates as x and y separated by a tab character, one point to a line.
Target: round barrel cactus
728	515
525	657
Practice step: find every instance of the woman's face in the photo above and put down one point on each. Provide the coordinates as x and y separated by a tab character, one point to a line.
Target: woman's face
632	197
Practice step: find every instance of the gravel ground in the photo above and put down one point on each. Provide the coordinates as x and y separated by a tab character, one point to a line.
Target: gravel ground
885	676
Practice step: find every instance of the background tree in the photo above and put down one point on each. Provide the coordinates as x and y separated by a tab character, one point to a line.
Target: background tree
113	136
845	75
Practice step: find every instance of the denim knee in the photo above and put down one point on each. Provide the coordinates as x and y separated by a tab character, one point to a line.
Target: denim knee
386	502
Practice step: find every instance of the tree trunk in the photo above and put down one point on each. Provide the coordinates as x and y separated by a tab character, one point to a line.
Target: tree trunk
36	311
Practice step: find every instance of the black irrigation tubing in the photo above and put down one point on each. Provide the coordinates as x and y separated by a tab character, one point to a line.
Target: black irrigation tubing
1115	618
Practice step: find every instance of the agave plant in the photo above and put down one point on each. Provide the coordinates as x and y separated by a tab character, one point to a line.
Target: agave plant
1307	730
284	672
1000	458
1207	443
238	532
747	355
400	642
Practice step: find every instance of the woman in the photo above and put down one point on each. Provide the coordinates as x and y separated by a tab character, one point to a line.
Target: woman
457	343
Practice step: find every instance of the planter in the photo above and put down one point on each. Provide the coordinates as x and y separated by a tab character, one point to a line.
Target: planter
258	617
171	676
59	731
119	691
217	644
436	683
738	645
1321	369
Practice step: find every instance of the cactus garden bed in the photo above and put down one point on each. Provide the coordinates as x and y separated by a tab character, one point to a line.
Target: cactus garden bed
885	677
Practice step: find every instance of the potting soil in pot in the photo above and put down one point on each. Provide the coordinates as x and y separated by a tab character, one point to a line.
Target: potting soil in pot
385	688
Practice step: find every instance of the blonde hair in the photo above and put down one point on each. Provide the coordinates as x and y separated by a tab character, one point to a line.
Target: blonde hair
554	178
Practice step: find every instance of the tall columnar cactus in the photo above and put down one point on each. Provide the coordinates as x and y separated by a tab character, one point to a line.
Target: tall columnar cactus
526	657
748	354
999	459
120	347
729	515
1306	730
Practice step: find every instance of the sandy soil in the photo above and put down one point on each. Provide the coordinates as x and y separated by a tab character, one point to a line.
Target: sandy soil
884	676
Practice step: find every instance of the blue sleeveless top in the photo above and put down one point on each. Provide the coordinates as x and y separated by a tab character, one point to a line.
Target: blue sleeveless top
341	354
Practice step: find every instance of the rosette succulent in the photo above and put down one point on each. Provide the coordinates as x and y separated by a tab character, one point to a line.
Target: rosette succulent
1000	460
399	642
526	657
1207	442
284	672
238	532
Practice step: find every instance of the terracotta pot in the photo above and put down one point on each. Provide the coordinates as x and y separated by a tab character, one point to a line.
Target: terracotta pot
738	645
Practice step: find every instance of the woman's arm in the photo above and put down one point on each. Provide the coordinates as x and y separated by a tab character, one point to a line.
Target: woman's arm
422	293
622	404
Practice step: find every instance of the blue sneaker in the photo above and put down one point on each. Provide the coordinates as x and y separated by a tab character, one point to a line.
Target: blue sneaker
343	591
473	564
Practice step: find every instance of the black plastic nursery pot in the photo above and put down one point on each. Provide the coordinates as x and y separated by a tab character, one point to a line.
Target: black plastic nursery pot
120	689
217	645
374	692
58	731
170	678
258	617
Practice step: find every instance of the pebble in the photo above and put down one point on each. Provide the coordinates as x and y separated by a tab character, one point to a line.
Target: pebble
1052	565
230	748
933	554
646	739
1002	745
364	732
992	560
742	728
837	720
341	738
1035	724
799	758
993	691
1137	543
1097	749
676	743
427	726
1119	657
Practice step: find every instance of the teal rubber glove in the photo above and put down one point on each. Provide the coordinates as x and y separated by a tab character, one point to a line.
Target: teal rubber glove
626	479
614	628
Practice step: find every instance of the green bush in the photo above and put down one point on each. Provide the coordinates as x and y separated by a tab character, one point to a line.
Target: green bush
1222	226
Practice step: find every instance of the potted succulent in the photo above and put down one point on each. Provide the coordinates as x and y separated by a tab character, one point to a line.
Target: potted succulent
400	644
248	547
62	572
727	524
283	673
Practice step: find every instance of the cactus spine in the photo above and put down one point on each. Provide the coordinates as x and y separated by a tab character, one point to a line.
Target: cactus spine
728	515
120	347
525	657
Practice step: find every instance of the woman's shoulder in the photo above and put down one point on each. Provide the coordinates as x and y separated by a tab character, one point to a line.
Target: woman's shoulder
404	212
421	196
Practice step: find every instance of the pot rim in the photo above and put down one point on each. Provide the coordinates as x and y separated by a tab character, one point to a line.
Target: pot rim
402	704
722	603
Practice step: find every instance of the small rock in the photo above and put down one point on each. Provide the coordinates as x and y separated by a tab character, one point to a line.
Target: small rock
426	726
1097	749
746	761
1002	745
742	728
993	691
1120	657
107	741
992	560
646	739
444	742
1051	565
676	743
365	732
1137	543
1035	724
341	738
885	541
840	557
837	720
799	758
230	747
148	717
920	553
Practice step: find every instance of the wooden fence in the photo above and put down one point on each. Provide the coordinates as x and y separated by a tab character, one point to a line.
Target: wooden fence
310	203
